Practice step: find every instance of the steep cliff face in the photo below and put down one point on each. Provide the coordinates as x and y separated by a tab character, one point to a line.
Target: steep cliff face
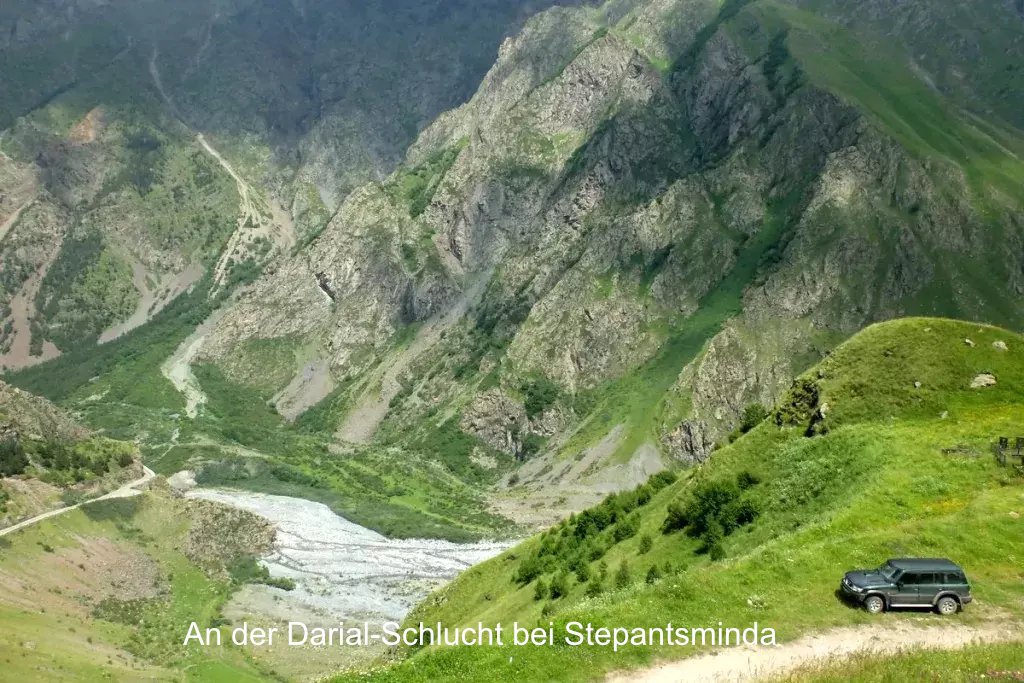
676	207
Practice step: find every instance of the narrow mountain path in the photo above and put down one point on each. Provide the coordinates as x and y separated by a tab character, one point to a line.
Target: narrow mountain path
759	663
127	491
256	217
362	421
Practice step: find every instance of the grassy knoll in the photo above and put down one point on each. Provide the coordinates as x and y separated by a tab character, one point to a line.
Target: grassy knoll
108	590
793	512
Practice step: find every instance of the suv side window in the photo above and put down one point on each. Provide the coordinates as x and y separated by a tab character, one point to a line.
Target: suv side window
955	578
913	578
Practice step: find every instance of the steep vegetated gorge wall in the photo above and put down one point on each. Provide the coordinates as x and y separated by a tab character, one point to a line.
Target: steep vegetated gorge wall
643	222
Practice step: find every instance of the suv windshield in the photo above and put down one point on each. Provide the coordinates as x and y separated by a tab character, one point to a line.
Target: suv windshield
888	571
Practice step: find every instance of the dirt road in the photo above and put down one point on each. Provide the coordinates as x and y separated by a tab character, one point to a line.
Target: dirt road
759	663
127	491
257	216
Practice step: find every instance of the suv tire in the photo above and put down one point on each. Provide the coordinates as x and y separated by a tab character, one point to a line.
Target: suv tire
874	604
947	605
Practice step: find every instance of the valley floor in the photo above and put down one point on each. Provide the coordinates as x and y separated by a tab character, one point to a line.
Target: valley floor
346	570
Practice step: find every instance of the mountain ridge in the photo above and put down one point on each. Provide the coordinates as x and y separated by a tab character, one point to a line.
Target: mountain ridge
677	207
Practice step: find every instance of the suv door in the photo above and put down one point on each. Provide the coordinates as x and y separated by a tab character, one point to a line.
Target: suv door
928	586
905	593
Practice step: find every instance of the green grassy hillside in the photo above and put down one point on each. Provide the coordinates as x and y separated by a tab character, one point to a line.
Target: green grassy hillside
900	464
107	591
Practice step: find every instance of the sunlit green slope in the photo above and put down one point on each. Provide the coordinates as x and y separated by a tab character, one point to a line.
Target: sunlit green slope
900	464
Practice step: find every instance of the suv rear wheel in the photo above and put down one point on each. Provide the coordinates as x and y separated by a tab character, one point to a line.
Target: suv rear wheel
874	604
947	605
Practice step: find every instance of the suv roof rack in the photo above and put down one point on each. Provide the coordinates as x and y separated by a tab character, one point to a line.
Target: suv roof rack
924	563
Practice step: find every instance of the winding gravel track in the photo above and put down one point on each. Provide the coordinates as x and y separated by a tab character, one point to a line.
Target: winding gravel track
755	663
127	491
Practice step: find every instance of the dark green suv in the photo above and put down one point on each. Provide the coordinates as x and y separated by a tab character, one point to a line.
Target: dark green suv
918	582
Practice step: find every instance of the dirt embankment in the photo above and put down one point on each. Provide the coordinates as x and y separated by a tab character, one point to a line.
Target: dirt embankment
760	663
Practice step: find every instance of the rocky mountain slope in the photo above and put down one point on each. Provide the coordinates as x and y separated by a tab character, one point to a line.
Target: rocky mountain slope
648	219
654	215
111	206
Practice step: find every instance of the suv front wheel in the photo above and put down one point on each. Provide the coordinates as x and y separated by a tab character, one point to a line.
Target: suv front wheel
947	606
874	604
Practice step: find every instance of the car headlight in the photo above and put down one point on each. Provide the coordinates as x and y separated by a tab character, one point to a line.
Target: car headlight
856	589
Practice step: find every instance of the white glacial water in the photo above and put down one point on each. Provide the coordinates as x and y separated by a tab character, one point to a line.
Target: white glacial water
348	570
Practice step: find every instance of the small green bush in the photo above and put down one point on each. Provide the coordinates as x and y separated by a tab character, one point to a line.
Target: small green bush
622	576
646	543
799	404
539	394
12	458
559	585
753	415
716	509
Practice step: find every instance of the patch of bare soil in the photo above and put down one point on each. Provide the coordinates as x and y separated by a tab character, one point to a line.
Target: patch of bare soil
22	306
311	385
18	188
152	299
74	579
760	663
86	130
178	368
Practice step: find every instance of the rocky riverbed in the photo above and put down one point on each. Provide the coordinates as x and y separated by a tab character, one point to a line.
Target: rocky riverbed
346	571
